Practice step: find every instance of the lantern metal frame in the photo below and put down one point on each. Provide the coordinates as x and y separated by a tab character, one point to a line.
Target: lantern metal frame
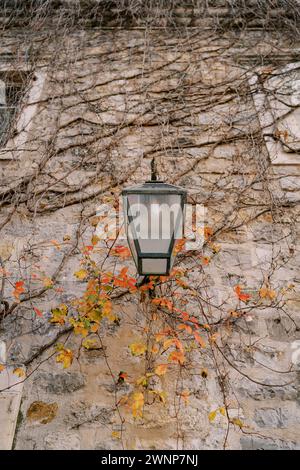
154	187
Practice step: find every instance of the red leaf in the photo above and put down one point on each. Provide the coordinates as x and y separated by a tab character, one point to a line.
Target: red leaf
38	312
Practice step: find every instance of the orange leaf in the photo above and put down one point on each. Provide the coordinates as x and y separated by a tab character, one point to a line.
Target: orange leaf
161	369
19	372
177	356
208	231
199	339
19	289
121	251
185	394
243	297
187	328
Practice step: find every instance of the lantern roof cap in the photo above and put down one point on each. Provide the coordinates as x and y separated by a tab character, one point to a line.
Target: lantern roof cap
154	187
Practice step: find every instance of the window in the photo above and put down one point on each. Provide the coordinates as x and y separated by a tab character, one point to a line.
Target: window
12	87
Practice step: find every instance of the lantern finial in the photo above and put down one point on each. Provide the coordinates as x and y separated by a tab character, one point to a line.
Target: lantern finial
153	170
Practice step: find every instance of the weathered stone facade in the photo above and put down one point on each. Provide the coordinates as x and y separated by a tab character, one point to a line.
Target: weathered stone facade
214	97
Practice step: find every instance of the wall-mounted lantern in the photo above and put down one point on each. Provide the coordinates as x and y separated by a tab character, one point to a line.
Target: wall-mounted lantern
154	220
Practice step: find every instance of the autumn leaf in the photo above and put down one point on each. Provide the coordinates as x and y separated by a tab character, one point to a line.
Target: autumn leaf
81	274
185	395
177	356
65	357
160	394
38	312
179	246
19	372
19	289
94	328
95	240
168	343
243	297
208	232
137	405
266	293
199	339
2	368
163	302
212	415
80	327
161	369
116	435
237	422
59	314
143	381
187	328
137	349
205	260
90	344
47	282
121	251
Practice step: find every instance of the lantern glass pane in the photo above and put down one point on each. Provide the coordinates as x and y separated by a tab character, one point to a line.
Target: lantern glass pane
154	266
153	219
132	246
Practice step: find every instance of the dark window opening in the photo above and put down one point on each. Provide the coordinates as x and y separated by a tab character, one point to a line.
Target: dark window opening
12	89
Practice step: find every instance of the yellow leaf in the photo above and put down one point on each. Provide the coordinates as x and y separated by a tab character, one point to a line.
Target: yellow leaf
19	372
59	314
160	394
81	274
237	422
2	367
161	369
264	293
137	405
79	327
212	416
222	411
116	435
137	349
143	381
90	344
65	357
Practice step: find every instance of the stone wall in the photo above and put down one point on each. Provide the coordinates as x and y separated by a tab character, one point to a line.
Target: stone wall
99	105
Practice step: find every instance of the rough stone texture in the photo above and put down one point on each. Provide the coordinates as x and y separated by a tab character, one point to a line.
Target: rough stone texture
125	95
256	443
58	383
